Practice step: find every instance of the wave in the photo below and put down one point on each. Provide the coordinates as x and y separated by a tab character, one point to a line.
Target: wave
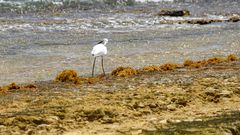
25	6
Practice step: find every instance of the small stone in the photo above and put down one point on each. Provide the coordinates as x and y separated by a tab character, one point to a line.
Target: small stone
136	132
52	119
198	120
163	121
234	19
226	93
174	13
173	121
171	107
2	126
152	105
141	105
177	121
150	129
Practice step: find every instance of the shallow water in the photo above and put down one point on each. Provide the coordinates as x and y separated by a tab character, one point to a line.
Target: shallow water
36	47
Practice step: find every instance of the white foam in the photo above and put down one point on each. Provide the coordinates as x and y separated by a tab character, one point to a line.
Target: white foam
154	0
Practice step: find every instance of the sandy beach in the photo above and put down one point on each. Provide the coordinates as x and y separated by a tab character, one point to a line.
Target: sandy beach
186	100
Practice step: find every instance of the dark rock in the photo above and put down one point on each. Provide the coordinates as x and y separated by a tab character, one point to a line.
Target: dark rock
174	13
202	22
234	19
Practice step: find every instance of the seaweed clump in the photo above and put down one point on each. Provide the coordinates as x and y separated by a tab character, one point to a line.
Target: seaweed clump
215	60
169	66
151	68
67	76
232	57
71	76
14	86
193	64
188	63
88	80
124	72
199	64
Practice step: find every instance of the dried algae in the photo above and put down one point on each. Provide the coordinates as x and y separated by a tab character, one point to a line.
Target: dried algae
232	57
14	86
67	76
151	68
124	72
169	66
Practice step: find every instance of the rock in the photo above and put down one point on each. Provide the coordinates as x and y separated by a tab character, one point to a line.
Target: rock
136	132
52	119
43	127
198	119
173	121
226	93
2	126
150	129
152	105
138	105
163	121
171	107
180	101
174	13
202	21
212	95
30	132
234	19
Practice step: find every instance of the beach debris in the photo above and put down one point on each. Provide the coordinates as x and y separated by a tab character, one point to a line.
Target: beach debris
188	63
232	57
202	21
169	66
67	76
124	72
193	64
172	12
151	68
89	80
215	60
234	19
30	86
71	76
104	115
14	86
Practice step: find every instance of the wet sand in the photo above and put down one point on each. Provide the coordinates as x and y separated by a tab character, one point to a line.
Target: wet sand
184	101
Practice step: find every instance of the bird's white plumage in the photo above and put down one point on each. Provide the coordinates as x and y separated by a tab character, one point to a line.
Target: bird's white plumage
100	49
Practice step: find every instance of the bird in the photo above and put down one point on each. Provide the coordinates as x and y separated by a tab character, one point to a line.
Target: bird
99	50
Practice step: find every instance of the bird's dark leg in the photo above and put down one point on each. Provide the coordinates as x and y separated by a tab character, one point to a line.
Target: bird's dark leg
93	66
103	67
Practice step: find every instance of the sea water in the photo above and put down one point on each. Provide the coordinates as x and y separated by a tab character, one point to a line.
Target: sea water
38	39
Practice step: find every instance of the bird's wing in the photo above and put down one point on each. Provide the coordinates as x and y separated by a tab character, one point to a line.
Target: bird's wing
99	50
95	49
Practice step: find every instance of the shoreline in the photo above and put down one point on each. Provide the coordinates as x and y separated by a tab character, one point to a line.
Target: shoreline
179	101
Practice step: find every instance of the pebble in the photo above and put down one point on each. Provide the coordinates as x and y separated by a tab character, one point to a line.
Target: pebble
198	120
163	121
226	93
171	107
173	121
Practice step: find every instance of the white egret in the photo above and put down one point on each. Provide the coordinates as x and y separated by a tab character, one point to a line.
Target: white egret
99	50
